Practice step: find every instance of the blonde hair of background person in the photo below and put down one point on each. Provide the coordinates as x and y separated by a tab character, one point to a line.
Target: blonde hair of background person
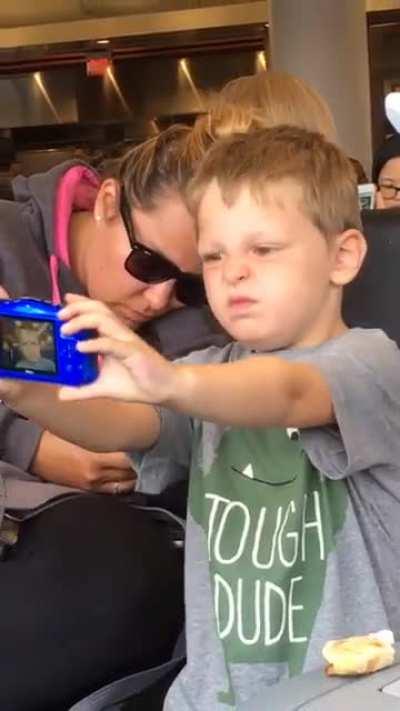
265	100
155	168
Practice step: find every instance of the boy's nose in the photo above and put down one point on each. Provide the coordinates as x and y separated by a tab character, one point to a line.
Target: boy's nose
235	269
158	296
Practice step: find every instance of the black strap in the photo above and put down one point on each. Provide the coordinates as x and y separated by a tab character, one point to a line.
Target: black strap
6	189
132	685
133	499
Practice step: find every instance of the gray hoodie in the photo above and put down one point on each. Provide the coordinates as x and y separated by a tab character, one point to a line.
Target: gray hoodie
26	242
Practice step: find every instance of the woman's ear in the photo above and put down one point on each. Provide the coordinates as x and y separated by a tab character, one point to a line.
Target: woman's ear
349	252
106	206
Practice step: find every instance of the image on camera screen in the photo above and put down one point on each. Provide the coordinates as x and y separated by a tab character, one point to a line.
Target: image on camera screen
27	345
366	202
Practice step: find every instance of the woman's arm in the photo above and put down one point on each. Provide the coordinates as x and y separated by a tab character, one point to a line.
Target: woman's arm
100	425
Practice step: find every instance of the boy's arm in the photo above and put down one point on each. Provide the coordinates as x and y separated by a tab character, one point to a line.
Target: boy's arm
100	425
263	391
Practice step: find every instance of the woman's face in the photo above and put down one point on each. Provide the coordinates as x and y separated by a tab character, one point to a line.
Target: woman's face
167	229
389	183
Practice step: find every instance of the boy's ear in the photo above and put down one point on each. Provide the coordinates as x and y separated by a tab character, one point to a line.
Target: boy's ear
106	206
349	251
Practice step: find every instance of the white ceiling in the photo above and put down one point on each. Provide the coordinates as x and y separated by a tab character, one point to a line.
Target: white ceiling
58	21
26	12
33	22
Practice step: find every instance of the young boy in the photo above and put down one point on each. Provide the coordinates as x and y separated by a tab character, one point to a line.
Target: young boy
30	342
292	431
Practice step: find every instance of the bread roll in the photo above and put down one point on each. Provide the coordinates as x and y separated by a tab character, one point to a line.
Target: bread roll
359	655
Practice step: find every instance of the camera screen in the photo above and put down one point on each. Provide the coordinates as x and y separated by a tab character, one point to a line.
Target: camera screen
27	344
366	202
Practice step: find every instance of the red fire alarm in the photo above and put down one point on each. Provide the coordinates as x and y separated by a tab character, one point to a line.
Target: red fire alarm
97	66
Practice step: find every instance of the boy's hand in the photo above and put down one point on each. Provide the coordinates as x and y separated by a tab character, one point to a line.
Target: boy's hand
130	370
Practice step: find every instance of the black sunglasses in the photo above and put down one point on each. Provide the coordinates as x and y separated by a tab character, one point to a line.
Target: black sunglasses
152	268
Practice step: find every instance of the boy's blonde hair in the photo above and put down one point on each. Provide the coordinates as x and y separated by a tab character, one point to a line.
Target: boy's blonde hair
269	99
264	158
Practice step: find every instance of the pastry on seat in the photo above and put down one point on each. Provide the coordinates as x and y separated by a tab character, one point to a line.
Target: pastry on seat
359	655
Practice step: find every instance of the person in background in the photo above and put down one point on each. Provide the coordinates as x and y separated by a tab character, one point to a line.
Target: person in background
361	175
30	343
386	173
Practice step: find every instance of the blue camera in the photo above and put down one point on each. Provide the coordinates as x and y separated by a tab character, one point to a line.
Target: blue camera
32	346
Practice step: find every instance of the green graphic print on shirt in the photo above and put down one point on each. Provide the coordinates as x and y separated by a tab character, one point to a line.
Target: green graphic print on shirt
270	519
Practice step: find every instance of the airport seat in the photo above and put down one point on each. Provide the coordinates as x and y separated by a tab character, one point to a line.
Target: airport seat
135	689
373	299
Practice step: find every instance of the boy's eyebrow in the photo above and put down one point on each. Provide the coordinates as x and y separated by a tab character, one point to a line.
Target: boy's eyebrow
255	234
247	236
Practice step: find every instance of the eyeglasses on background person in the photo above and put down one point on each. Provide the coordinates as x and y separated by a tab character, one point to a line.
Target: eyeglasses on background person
388	190
152	268
386	172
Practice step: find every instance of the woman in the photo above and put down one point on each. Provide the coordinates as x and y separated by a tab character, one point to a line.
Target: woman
63	232
91	590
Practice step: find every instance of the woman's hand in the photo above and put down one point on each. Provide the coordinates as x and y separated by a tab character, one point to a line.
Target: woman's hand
62	462
131	370
9	388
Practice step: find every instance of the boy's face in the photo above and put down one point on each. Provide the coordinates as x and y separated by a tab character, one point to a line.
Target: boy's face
29	344
267	269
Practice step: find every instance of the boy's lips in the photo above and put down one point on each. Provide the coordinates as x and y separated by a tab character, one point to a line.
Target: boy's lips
240	301
241	306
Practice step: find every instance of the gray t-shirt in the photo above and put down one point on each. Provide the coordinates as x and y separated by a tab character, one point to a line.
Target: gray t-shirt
292	538
43	364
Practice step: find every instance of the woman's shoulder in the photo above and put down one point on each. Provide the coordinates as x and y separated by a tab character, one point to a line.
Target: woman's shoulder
183	331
